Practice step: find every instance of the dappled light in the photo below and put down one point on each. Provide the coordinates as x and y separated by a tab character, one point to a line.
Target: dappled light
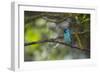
56	36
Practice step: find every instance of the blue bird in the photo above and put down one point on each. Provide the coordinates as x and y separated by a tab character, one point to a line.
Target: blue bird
67	36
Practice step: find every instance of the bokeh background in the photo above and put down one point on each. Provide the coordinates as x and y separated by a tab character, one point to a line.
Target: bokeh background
40	26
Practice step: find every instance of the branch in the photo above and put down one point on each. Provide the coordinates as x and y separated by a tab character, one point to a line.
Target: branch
31	18
81	32
55	41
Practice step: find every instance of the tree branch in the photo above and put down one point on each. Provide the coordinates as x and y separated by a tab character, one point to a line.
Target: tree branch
55	41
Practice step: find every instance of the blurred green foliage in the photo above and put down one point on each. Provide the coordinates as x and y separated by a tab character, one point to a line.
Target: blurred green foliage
36	28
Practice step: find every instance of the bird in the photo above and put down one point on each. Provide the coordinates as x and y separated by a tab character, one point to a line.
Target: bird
67	36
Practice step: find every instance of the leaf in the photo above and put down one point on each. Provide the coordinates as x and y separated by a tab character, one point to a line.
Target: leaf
32	35
40	22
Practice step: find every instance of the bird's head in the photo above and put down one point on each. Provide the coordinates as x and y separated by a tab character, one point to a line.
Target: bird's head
65	30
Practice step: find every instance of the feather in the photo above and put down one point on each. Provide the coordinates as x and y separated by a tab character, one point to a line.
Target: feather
67	36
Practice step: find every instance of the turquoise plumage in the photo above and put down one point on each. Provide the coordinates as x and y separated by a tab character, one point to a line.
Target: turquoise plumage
67	36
